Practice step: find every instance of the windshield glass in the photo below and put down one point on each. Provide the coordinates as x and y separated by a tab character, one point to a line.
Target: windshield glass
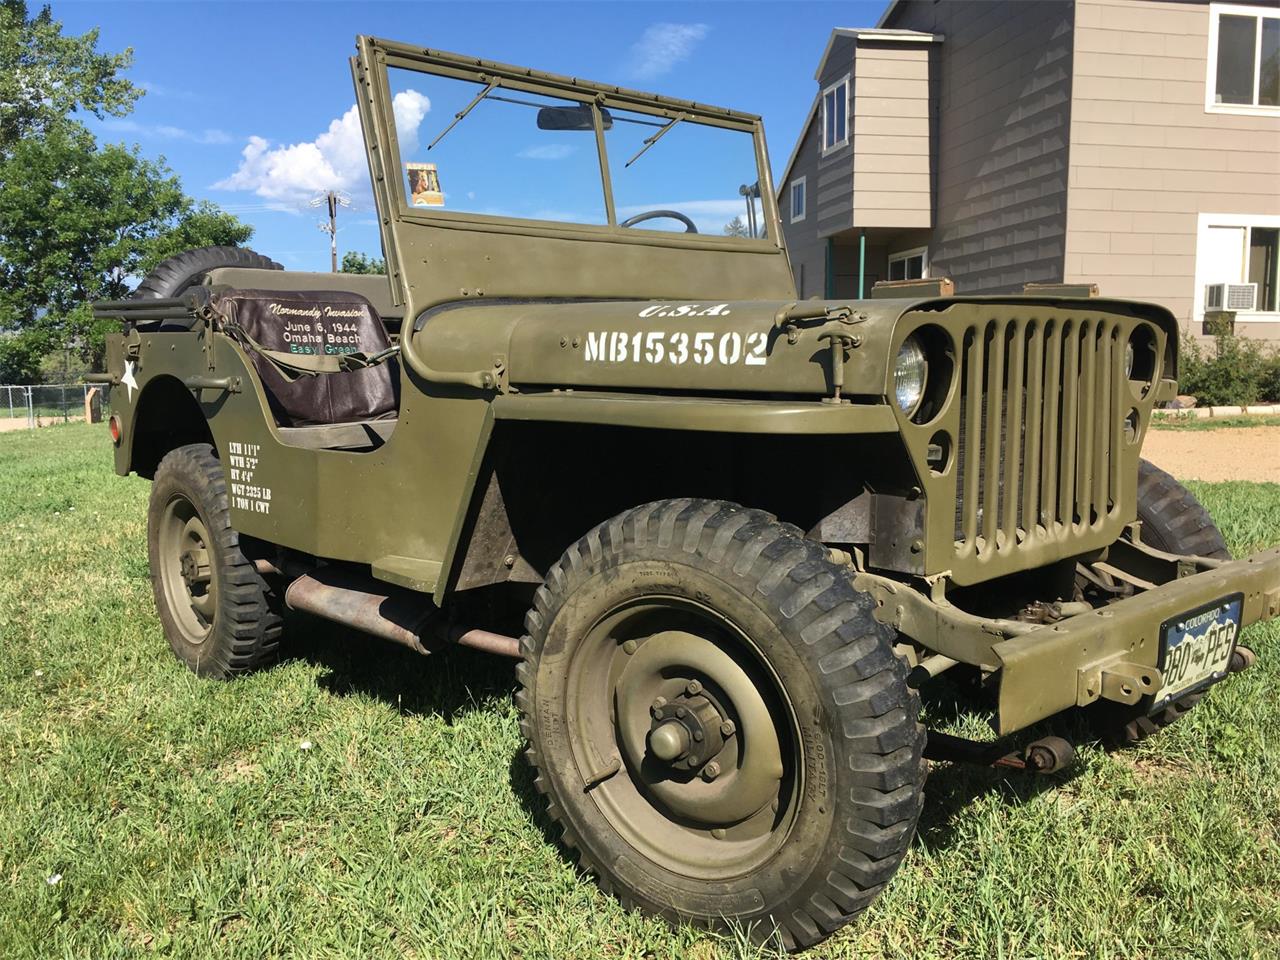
529	156
495	160
695	169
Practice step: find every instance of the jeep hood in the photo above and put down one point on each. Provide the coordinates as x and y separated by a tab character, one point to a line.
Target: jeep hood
724	347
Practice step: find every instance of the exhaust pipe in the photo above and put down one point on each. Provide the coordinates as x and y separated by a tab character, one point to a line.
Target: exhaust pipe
358	601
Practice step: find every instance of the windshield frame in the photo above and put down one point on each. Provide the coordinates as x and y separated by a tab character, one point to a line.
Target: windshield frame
391	192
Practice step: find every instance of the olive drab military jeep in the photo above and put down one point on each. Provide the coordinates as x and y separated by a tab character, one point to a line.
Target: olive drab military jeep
741	530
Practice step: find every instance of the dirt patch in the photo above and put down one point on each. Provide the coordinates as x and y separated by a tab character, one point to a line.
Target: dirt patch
1236	453
22	423
1152	768
237	770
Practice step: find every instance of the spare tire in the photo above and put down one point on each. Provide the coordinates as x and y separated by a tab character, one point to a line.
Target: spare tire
172	276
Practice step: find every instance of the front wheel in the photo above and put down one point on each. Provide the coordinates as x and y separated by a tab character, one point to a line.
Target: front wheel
719	722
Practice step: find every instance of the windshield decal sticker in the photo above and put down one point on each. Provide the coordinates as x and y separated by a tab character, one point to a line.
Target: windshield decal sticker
424	185
702	348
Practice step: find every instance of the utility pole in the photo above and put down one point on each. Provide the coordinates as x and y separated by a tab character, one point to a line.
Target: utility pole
333	199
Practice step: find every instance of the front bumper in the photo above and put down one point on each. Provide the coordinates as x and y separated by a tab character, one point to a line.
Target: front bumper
1072	663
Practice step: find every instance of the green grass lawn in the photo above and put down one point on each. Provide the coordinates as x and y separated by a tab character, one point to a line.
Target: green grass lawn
1166	422
360	801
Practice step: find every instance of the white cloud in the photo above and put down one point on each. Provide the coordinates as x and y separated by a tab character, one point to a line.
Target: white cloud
410	108
164	131
547	151
662	46
162	90
335	160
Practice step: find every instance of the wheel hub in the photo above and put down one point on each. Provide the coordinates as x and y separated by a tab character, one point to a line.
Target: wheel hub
696	729
687	732
186	569
195	569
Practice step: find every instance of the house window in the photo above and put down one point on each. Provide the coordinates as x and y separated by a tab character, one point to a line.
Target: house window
835	115
909	264
1244	59
798	187
1232	249
1261	270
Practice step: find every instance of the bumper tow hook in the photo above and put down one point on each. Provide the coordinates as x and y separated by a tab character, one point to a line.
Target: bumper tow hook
1046	755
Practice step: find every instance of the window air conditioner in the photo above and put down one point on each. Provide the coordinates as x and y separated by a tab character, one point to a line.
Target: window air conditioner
1231	296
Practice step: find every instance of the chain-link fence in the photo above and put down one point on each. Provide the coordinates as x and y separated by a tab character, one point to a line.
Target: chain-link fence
27	406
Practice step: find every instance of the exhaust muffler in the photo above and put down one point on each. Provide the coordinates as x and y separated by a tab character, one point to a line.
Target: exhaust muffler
357	600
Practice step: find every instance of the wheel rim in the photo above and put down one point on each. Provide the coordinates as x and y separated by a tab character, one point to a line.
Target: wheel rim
186	569
684	736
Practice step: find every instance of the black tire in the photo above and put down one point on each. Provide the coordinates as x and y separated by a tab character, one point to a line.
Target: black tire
172	276
1174	521
848	806
219	615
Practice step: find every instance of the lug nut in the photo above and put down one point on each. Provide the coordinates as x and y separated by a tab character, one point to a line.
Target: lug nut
681	712
659	713
697	734
693	688
727	729
711	771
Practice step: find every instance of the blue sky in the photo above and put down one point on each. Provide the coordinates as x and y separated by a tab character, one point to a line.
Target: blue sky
272	79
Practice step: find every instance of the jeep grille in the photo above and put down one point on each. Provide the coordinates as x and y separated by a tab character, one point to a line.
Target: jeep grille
1039	433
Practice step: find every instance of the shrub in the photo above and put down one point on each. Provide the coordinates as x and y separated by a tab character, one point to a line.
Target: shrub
1235	372
1270	388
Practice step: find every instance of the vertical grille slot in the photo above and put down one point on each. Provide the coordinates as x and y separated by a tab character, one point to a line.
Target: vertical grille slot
1039	433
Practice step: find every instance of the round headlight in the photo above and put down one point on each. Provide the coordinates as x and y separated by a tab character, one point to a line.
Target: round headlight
909	372
1129	354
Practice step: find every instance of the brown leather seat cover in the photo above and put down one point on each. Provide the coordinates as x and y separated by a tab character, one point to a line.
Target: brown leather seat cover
318	323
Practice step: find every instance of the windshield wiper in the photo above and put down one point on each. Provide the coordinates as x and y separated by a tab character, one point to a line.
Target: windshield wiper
650	141
463	112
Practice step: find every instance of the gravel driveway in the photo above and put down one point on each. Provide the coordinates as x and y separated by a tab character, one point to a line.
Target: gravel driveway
1231	453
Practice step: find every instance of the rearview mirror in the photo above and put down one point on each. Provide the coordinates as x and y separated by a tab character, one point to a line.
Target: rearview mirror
571	118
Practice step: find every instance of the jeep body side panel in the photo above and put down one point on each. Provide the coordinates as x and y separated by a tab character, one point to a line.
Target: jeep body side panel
393	507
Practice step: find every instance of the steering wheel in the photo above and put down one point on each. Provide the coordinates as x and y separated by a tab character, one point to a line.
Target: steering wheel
660	215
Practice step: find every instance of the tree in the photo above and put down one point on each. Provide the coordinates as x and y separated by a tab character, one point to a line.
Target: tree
200	224
736	228
21	352
78	222
353	261
45	76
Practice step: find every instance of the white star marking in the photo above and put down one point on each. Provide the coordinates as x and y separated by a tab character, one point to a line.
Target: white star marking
129	380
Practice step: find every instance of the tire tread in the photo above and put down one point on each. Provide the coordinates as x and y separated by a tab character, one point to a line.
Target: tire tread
862	681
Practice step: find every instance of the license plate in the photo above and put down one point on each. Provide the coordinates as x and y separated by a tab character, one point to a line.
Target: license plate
1197	647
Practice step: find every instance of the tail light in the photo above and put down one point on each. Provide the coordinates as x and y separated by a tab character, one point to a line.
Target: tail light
113	424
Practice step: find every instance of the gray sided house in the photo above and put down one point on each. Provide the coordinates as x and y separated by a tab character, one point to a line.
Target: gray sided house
1134	144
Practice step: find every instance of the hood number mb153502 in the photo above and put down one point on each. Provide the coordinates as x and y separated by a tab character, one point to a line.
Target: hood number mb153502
657	346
